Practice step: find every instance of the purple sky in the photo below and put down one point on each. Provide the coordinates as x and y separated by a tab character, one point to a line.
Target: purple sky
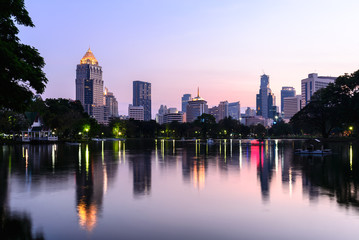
221	46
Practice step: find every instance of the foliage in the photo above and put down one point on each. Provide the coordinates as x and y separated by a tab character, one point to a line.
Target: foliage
258	130
335	107
20	65
280	129
207	124
12	122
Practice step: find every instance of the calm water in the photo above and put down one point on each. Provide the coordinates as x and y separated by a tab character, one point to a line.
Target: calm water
176	190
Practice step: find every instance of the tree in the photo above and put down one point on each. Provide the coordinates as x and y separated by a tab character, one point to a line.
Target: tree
207	124
280	129
228	126
258	130
20	65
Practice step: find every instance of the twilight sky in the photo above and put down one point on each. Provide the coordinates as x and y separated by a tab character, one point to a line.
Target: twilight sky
221	46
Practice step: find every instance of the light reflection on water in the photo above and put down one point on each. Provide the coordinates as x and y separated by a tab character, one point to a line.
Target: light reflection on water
173	189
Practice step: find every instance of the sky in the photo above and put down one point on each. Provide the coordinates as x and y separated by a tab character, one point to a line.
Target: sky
220	46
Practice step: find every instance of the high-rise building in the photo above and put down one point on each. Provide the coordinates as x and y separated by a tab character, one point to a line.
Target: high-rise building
136	112
214	111
222	110
161	112
111	105
89	86
265	100
142	97
234	110
312	84
285	92
186	97
195	108
291	106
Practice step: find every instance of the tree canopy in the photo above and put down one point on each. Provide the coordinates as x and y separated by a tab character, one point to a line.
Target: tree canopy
333	107
20	65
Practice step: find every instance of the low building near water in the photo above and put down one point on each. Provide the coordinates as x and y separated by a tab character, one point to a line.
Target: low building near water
37	132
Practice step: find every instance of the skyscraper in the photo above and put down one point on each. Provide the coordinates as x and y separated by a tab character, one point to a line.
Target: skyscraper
186	97
285	92
142	97
111	105
195	108
222	110
312	84
234	110
89	86
291	105
265	102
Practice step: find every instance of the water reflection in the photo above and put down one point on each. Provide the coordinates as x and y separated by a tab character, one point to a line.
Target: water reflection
13	224
93	174
141	167
225	172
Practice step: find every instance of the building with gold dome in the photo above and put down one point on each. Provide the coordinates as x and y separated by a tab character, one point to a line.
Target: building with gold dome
89	86
195	108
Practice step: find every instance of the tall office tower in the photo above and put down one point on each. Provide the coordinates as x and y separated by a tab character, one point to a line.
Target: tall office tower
291	106
89	86
234	110
111	105
142	97
312	84
265	100
186	97
195	108
285	92
214	111
272	108
222	110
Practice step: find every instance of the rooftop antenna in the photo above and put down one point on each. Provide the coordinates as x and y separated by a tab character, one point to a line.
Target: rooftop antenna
198	92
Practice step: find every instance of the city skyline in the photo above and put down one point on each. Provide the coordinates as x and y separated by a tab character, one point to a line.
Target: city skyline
221	46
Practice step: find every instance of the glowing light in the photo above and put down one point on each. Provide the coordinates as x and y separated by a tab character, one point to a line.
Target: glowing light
105	179
80	158
199	176
26	158
351	157
225	150
87	159
124	152
174	147
89	58
102	153
119	151
53	155
290	182
87	215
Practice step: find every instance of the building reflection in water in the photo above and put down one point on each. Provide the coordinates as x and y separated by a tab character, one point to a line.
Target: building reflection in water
194	168
93	174
288	174
141	166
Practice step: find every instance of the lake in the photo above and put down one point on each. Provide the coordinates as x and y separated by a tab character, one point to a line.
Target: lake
147	189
